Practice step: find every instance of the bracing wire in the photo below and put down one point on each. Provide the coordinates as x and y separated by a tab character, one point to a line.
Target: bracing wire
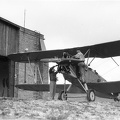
99	65
109	71
112	68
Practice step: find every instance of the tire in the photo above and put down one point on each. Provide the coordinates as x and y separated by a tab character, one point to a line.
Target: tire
62	95
91	95
116	99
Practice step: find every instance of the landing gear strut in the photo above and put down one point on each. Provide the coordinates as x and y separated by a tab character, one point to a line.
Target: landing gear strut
90	93
62	95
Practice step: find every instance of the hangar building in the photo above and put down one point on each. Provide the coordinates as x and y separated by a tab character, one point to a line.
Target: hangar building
15	39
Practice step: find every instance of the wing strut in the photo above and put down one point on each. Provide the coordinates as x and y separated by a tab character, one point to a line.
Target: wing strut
31	69
115	61
25	74
88	51
40	75
91	61
88	56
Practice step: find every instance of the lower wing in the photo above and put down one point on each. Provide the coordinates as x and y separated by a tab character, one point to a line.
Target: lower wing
45	87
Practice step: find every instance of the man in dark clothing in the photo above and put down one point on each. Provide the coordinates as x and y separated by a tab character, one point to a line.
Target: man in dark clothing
53	79
81	67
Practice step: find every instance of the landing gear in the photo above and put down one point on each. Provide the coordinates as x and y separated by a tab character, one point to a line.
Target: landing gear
90	95
116	99
62	95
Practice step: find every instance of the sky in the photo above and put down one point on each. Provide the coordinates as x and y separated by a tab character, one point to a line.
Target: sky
70	23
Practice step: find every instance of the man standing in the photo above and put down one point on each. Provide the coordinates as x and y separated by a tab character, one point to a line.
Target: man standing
81	67
53	79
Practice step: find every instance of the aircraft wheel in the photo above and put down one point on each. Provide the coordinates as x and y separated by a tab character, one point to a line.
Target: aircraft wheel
91	95
62	95
116	99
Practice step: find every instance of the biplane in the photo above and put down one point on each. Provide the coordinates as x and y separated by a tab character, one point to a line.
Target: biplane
97	87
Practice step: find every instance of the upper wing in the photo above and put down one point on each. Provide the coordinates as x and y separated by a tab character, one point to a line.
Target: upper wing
35	56
103	50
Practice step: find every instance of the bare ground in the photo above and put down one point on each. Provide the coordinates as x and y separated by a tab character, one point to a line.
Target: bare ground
72	109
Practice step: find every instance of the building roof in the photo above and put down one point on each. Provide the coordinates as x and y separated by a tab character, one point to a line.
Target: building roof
18	26
9	22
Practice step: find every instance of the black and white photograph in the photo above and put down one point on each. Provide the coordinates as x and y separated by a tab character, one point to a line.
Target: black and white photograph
59	59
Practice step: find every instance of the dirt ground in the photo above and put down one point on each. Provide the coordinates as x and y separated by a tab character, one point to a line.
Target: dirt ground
72	109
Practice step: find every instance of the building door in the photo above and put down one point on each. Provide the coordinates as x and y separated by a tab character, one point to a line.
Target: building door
6	78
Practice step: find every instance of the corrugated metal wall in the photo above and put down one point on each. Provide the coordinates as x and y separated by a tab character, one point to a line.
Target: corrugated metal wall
9	38
9	43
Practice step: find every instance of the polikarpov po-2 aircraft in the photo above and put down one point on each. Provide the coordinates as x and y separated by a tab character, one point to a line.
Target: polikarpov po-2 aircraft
96	85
